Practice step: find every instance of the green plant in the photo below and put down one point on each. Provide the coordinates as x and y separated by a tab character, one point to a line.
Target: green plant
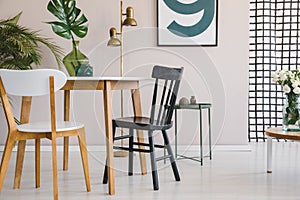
70	22
19	46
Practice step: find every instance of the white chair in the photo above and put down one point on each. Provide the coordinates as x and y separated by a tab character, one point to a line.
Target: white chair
36	83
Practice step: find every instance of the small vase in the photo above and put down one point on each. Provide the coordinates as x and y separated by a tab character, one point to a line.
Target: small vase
193	100
291	113
76	63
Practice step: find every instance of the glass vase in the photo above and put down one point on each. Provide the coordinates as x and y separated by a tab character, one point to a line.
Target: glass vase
291	112
76	63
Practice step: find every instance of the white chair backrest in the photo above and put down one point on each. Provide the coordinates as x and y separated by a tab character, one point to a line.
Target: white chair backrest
31	82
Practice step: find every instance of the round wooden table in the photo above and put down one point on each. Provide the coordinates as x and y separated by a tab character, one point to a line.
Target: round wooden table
277	132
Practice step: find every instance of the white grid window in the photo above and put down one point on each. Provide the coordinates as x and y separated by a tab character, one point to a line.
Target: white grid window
274	44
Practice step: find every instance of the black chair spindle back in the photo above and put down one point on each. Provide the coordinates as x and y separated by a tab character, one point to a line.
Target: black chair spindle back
165	91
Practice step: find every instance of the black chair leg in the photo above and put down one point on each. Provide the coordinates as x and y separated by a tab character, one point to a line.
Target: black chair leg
130	163
105	175
170	152
153	161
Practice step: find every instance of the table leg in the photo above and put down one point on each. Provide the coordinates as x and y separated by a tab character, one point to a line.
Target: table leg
25	113
37	163
109	137
19	163
209	134
66	139
136	100
200	127
269	155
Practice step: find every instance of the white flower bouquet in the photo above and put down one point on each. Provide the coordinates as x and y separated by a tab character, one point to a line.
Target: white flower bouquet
290	82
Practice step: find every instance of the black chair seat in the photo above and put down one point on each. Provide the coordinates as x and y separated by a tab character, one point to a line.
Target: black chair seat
141	123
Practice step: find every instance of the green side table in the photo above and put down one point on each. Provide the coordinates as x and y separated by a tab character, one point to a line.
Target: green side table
200	107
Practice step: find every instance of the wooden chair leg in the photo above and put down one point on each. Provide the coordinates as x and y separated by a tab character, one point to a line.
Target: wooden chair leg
153	161
130	163
84	158
5	159
37	163
172	158
19	163
54	169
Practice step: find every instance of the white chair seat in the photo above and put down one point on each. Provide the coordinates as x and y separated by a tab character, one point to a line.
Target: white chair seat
44	127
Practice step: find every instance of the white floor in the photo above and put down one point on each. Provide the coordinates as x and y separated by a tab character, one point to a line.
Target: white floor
230	175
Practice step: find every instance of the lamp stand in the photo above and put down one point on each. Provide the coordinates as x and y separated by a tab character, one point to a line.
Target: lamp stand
121	153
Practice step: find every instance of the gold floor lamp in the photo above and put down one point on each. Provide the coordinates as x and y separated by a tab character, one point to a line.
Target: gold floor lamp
116	41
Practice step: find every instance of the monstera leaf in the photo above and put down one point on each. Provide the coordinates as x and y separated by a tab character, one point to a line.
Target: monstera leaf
69	17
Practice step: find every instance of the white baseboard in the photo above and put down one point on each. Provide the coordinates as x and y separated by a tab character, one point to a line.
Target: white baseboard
245	147
239	148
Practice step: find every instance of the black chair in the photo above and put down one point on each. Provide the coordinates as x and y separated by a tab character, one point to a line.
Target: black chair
167	81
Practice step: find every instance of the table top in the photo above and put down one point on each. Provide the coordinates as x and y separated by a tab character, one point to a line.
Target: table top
195	106
98	83
110	78
277	132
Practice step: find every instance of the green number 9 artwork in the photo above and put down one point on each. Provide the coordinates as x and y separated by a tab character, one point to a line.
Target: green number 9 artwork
184	23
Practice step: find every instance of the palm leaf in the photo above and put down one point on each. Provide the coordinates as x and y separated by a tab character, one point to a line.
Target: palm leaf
19	46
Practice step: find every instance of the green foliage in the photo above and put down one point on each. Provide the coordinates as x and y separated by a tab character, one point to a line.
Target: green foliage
69	17
19	46
292	115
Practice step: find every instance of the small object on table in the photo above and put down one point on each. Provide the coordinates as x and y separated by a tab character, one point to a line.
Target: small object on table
193	100
183	101
84	70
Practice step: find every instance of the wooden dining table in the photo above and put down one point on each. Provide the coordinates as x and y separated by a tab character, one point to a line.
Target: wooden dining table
107	85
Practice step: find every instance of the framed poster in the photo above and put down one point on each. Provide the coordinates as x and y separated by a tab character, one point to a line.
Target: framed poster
187	22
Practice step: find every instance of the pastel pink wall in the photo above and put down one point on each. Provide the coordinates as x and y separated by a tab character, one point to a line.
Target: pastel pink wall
216	74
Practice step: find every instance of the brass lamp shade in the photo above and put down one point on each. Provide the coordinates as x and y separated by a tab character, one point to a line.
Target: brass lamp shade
129	21
113	41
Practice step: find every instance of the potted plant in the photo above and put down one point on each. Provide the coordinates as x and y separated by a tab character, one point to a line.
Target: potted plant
19	46
71	24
